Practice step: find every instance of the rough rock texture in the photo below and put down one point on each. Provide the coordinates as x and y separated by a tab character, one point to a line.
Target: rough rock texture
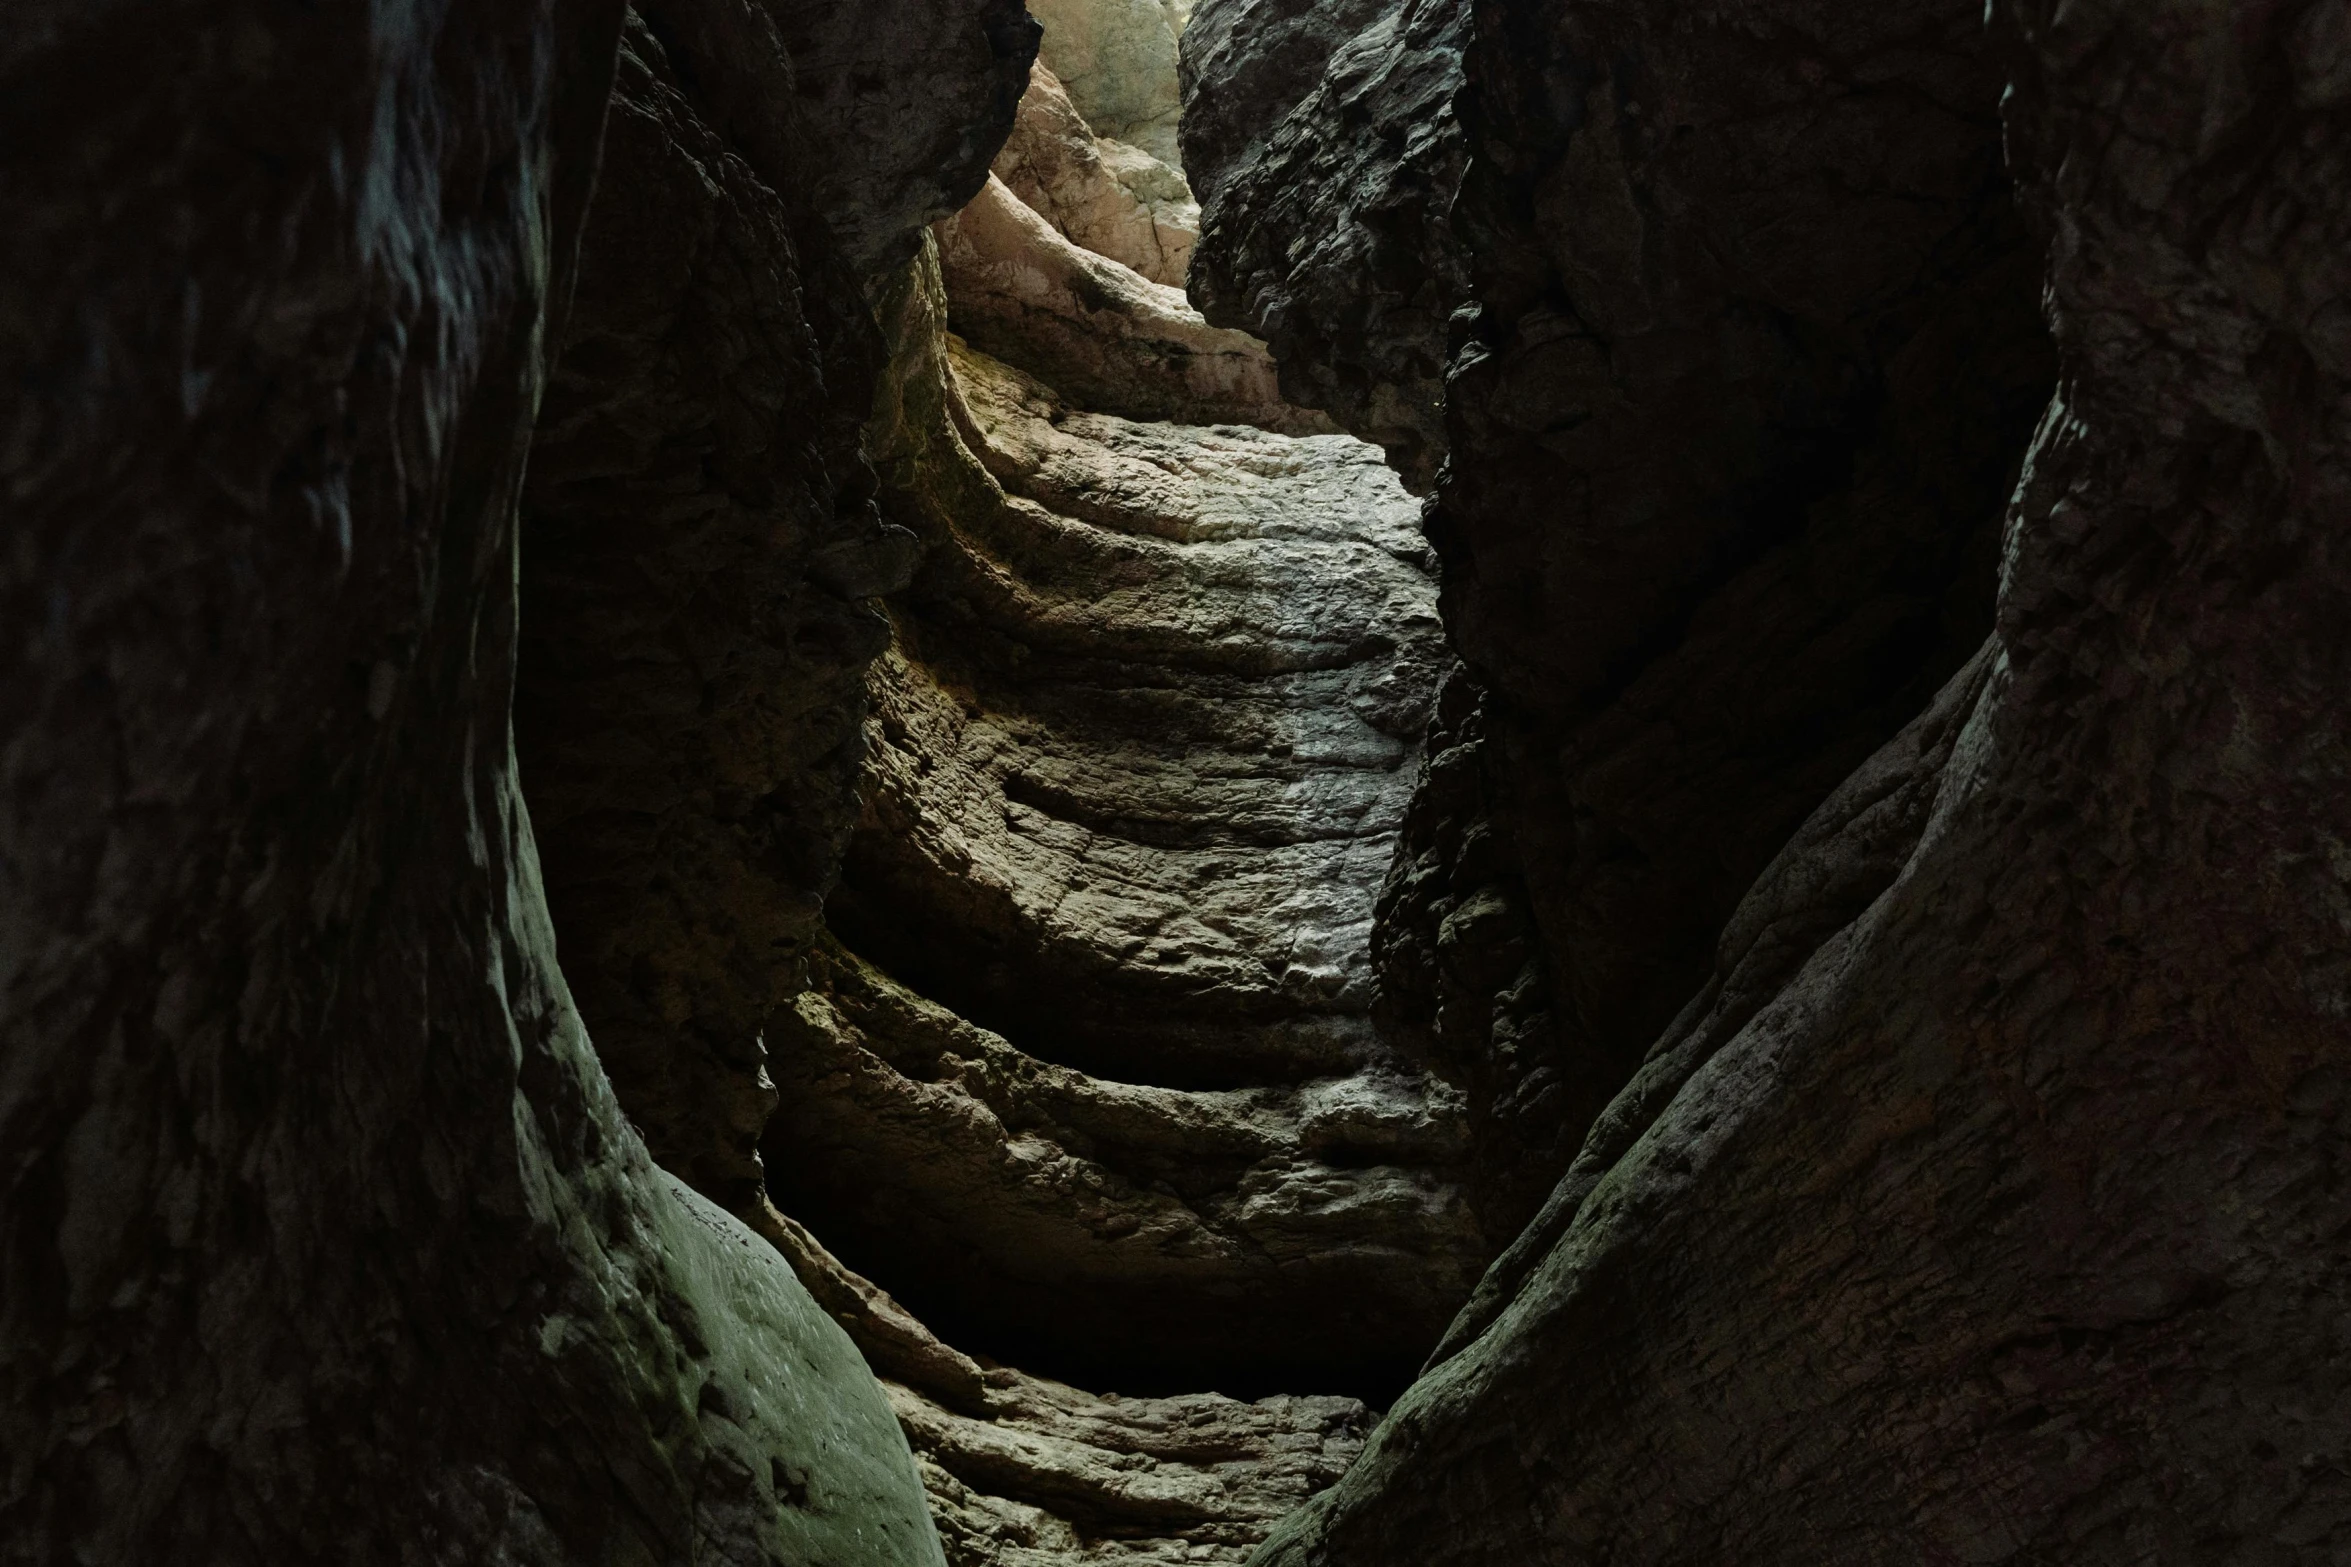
1103	196
904	104
1987	1204
1144	740
1093	1080
1045	1474
1324	144
1458	956
1097	330
1749	361
1025	1472
321	1236
1118	60
699	586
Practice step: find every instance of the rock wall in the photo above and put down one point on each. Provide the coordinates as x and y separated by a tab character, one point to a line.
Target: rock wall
321	1235
704	557
1979	1203
1323	139
1738	382
1088	1082
1101	1090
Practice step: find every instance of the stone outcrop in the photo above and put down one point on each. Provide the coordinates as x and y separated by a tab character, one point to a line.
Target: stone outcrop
1026	1472
1980	1201
1810	1004
1143	743
1099	331
704	557
321	1235
1117	58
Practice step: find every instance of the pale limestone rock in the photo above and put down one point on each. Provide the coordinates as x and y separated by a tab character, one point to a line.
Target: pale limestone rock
1105	196
1118	60
1141	749
1099	1089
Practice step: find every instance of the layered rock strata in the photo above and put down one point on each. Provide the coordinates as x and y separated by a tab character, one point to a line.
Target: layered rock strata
1026	1472
1092	1081
1101	195
1144	741
1744	366
321	1235
1170	802
1980	1203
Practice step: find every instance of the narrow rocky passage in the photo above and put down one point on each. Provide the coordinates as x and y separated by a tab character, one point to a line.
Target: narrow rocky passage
726	837
1089	1075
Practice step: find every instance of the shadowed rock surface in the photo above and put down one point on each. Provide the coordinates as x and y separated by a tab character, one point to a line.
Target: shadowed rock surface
1219	749
1982	1205
704	556
1143	743
1746	362
1323	141
321	1235
1829	1062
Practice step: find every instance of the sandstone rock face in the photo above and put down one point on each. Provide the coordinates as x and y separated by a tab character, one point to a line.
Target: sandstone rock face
1091	1079
1104	196
1117	58
1743	377
323	1236
704	557
1323	140
1982	1203
1098	330
1144	741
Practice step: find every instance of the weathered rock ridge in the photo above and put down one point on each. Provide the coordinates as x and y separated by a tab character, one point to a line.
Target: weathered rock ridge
704	559
1324	139
1143	743
1146	727
1784	941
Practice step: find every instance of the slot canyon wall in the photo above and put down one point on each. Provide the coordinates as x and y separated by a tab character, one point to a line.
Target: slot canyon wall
324	1235
1320	781
1973	1195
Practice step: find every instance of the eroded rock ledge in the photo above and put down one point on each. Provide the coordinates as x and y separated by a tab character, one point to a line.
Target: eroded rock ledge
1931	1005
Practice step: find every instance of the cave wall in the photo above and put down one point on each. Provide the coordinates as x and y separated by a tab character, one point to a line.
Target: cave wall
1976	1200
1739	354
321	1234
704	558
1095	1086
